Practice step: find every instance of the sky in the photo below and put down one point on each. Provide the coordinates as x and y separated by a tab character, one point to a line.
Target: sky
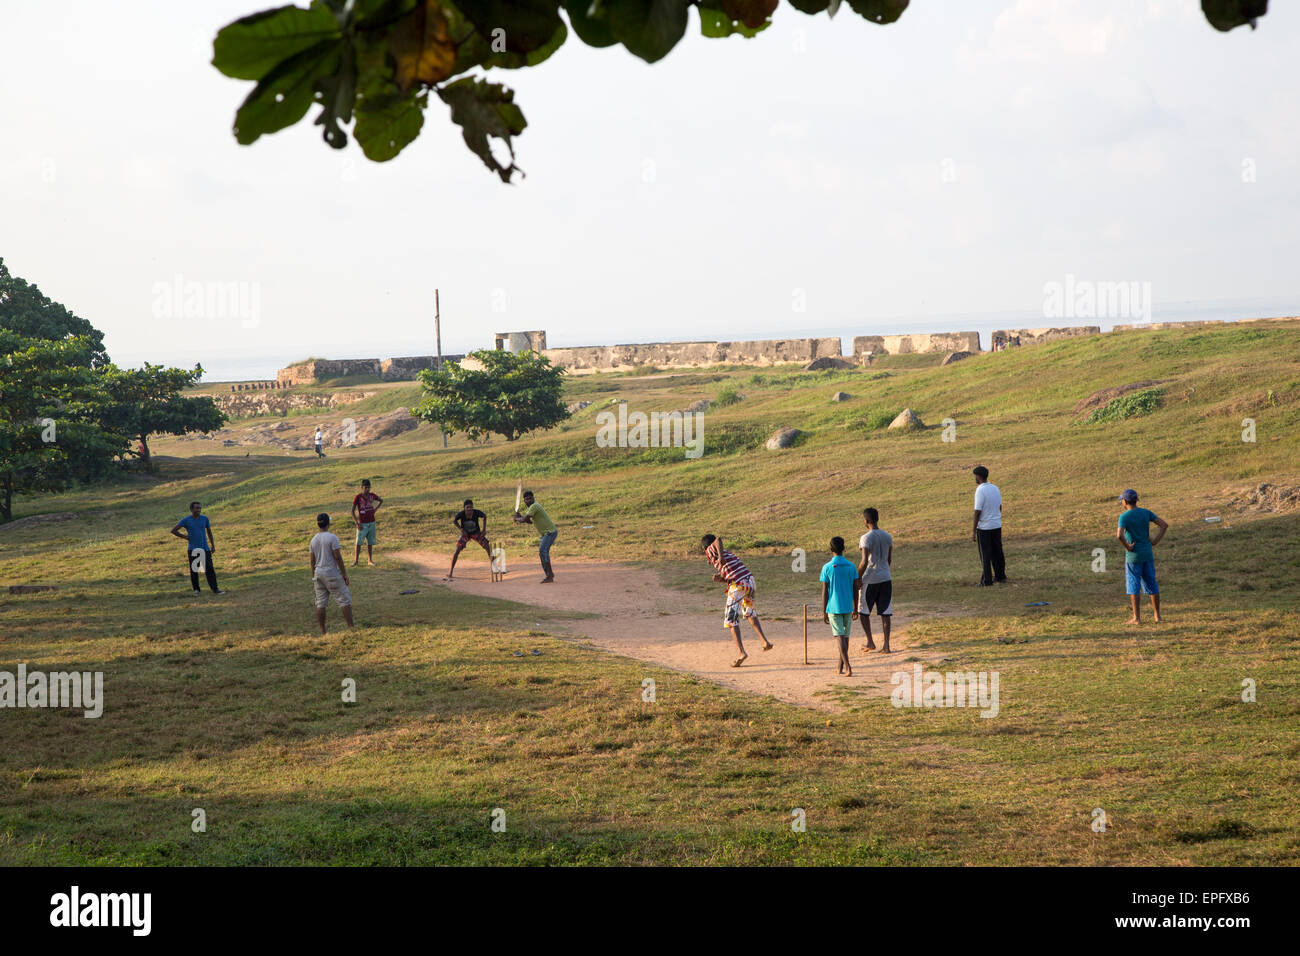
825	177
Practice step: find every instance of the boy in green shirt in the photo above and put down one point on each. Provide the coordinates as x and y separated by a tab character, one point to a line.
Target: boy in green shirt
536	515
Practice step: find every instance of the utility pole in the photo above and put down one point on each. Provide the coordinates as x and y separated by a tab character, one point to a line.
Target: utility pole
437	332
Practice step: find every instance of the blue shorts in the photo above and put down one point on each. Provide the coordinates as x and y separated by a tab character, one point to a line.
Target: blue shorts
1141	573
544	546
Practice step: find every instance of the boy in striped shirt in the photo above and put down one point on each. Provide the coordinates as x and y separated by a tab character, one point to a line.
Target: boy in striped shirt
731	571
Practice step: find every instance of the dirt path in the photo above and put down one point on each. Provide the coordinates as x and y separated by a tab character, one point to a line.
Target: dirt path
640	618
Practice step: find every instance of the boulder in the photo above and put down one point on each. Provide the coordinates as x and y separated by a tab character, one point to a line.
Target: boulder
955	357
385	426
826	362
841	397
907	420
782	438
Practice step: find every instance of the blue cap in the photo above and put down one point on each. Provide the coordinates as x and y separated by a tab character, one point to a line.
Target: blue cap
1129	495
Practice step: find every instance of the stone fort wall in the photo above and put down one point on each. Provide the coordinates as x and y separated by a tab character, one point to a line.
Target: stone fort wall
763	352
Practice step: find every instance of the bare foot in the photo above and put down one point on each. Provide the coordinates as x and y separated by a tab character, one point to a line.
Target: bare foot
548	580
886	650
371	563
1133	620
850	673
740	660
768	646
869	646
1157	618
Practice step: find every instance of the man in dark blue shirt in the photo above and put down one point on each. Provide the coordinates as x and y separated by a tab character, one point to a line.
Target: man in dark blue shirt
198	532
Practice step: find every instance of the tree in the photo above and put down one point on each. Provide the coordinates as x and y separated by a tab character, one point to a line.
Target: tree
50	431
511	395
66	412
379	60
25	311
148	401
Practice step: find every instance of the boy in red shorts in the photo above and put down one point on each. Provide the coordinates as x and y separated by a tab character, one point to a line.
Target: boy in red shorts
731	571
473	527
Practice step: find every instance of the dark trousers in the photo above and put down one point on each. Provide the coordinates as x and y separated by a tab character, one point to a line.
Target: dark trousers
994	564
208	570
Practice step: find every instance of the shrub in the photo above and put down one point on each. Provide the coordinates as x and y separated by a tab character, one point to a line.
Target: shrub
874	419
727	395
1133	404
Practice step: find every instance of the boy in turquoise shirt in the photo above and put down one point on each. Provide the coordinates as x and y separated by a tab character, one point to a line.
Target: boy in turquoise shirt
840	599
1134	532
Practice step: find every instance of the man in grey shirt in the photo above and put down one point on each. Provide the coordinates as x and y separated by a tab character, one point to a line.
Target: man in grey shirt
877	549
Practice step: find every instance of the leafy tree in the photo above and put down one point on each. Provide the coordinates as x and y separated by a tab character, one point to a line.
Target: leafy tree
25	311
50	430
380	60
148	401
512	394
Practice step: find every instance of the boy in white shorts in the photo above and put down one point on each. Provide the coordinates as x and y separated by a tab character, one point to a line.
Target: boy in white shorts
328	574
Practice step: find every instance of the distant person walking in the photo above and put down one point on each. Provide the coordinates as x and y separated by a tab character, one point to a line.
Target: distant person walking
328	575
320	437
840	599
198	532
876	572
731	571
536	515
472	524
987	533
364	507
1134	532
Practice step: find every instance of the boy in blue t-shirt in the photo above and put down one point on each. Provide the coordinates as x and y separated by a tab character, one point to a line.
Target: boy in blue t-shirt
197	529
1134	532
840	599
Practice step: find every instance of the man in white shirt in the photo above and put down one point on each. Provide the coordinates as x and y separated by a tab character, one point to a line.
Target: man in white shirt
328	574
987	532
320	437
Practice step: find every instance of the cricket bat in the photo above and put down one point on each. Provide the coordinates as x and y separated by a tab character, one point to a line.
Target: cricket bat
519	495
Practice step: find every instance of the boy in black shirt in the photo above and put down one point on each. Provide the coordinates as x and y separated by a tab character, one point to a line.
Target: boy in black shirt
473	527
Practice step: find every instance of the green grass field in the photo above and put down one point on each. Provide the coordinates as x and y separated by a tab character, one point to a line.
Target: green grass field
232	704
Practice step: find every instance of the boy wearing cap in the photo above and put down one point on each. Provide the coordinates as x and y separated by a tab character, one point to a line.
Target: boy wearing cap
1134	532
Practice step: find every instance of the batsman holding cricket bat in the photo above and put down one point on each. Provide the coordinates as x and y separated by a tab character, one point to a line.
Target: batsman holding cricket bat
536	515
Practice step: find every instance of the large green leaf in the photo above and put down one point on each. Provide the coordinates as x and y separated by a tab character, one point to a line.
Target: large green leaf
485	110
879	11
1226	14
648	28
250	48
718	23
284	95
523	25
590	20
809	6
384	133
475	49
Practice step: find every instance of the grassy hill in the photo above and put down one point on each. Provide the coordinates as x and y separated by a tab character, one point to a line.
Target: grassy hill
232	704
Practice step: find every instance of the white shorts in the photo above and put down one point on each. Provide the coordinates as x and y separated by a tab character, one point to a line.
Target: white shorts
327	584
